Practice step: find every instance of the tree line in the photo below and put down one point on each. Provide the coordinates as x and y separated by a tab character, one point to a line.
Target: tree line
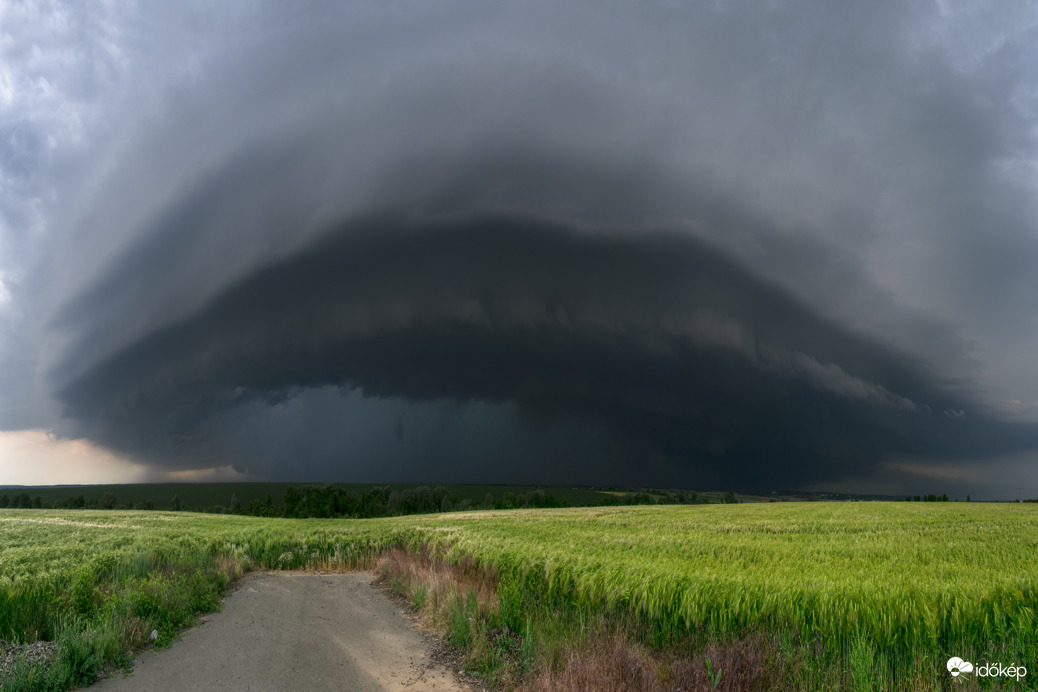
332	501
106	501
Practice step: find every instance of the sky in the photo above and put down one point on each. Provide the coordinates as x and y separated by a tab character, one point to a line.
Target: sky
757	246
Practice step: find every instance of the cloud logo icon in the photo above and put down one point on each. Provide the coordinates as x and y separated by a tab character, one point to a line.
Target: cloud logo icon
957	666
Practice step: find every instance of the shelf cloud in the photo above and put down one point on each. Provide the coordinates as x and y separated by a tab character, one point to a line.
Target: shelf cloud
650	244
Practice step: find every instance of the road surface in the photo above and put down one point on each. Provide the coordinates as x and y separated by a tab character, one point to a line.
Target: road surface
295	631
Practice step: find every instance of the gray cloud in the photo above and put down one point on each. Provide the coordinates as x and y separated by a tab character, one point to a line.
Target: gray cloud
672	346
783	242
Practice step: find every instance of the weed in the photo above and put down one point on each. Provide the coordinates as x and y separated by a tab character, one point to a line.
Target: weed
79	656
863	664
713	677
461	616
511	599
418	597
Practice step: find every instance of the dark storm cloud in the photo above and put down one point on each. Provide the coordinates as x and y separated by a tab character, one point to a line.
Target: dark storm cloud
667	342
781	242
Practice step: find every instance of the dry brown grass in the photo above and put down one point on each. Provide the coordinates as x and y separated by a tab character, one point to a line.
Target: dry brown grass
461	602
604	661
441	583
609	660
137	631
232	567
750	663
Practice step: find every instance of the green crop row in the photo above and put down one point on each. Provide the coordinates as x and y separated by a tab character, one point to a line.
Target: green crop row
915	584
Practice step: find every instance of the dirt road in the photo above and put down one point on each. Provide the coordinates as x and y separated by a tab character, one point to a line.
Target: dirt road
295	631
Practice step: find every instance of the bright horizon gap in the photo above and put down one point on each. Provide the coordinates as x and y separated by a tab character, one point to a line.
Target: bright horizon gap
32	458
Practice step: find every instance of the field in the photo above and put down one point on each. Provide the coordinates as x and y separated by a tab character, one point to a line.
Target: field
847	595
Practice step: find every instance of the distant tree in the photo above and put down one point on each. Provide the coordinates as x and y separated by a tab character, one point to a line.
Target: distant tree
968	499
108	501
729	498
37	502
174	504
393	506
5	501
235	505
917	498
488	501
292	501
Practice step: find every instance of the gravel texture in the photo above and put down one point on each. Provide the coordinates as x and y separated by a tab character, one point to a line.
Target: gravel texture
35	652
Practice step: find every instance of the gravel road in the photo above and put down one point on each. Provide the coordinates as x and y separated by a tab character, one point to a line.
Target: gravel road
295	631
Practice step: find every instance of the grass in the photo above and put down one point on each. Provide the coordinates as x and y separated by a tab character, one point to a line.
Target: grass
816	595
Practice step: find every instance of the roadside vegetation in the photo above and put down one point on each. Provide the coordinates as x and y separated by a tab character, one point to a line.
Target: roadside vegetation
751	596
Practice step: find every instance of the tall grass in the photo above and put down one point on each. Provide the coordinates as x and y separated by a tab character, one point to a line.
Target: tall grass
883	593
916	584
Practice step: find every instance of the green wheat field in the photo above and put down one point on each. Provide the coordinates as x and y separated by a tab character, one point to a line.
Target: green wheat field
879	594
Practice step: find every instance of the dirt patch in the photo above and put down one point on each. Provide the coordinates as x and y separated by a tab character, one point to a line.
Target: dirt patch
290	630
